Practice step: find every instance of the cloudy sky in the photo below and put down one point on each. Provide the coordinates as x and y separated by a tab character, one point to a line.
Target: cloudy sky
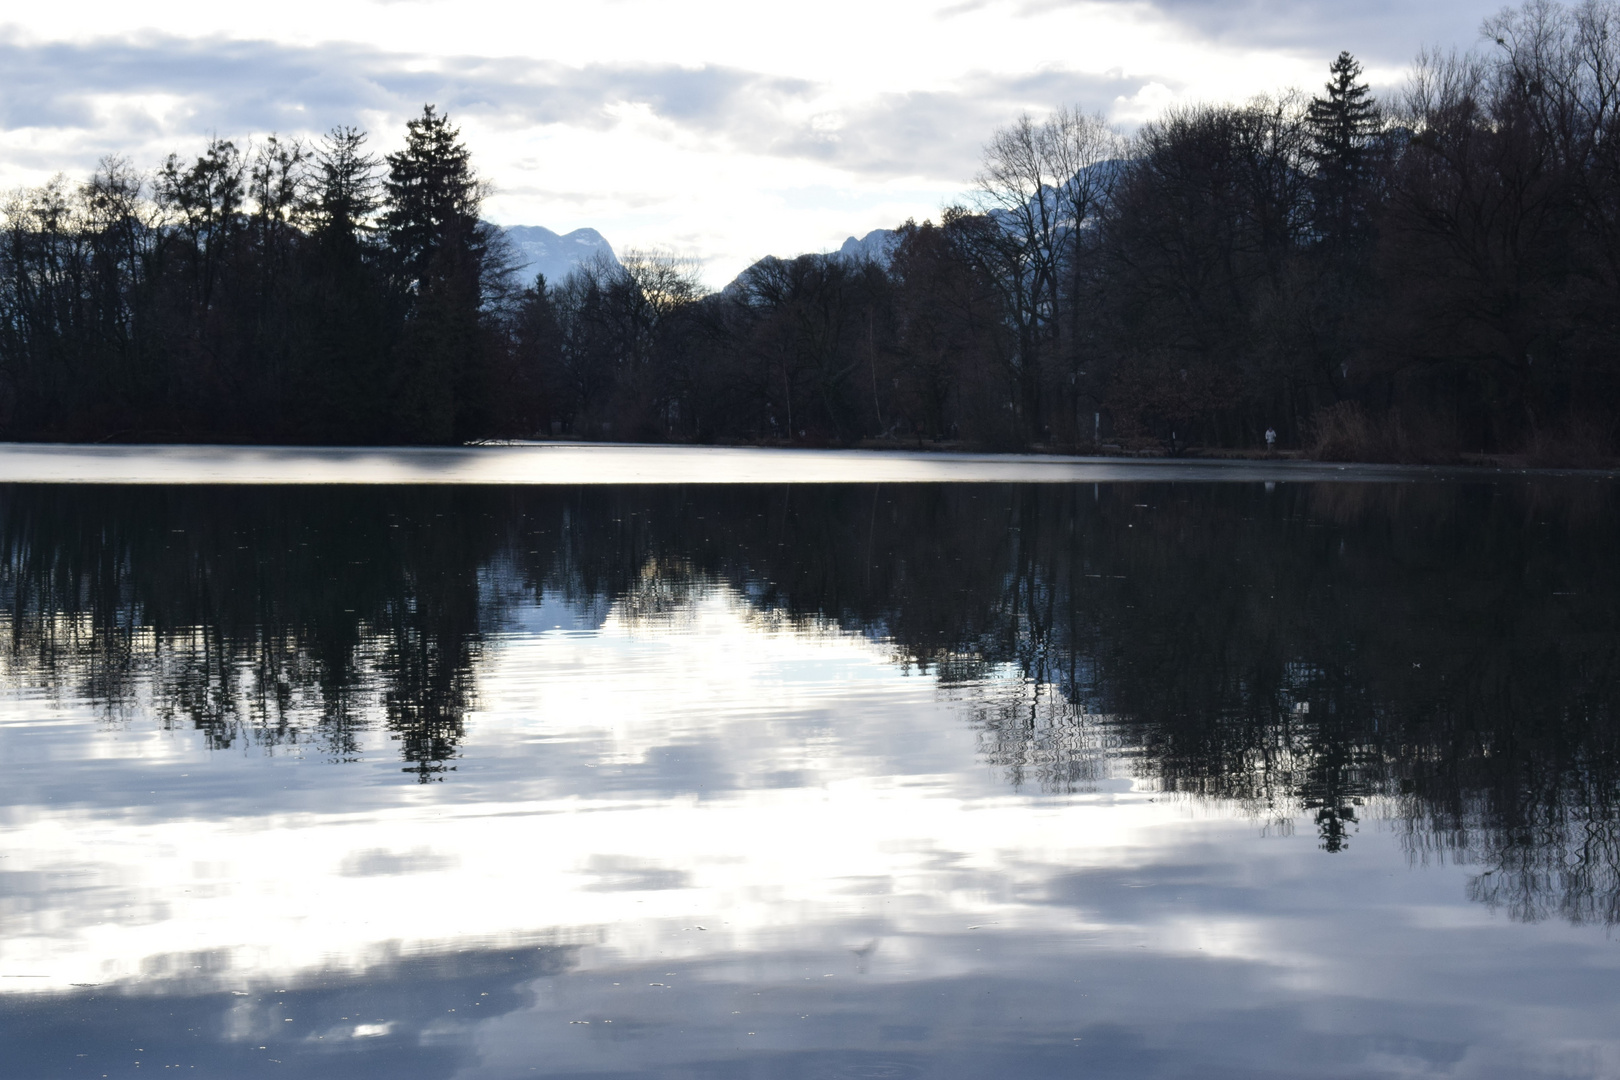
723	129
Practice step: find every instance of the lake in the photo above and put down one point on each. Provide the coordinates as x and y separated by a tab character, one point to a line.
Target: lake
1256	771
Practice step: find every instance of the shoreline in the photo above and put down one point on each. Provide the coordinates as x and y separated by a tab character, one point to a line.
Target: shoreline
595	463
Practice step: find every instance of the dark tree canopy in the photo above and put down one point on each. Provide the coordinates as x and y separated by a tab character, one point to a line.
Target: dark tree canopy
1422	277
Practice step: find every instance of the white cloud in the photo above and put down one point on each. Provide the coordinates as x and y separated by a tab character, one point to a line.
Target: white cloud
725	127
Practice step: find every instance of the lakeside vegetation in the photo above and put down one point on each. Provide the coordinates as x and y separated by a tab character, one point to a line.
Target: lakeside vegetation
1412	278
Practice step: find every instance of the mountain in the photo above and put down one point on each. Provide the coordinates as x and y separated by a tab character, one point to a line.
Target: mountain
541	251
876	246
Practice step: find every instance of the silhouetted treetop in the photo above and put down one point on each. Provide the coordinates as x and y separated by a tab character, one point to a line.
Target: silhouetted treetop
432	195
1343	128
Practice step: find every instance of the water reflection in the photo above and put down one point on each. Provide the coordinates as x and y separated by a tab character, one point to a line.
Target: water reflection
959	744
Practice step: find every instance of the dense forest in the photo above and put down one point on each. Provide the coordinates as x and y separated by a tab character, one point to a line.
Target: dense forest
1416	277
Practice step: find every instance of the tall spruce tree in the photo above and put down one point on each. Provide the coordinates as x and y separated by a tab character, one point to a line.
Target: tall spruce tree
438	250
1342	127
346	195
432	196
351	313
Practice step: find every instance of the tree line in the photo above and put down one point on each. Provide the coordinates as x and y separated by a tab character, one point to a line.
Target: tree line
1401	279
283	292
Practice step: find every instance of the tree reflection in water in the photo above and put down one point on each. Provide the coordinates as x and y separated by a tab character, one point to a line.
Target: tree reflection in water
1443	655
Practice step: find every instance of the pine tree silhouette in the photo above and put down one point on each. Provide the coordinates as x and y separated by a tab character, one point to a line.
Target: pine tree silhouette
438	250
432	195
1342	127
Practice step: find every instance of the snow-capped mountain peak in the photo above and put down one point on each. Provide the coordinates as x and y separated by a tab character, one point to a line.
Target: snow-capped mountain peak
541	251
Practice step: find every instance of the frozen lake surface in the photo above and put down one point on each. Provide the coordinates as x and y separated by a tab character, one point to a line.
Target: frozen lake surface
614	463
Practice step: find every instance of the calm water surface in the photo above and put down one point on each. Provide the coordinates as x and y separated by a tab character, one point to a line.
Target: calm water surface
939	780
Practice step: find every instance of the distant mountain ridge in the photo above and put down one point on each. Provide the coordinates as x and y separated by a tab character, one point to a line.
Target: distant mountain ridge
541	251
876	246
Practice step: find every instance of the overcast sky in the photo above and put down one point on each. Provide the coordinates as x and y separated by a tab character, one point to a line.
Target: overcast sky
721	128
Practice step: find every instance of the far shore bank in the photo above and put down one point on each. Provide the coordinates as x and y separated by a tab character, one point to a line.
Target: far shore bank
1481	459
582	463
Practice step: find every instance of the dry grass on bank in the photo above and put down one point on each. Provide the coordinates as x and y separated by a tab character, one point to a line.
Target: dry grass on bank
1580	444
1344	432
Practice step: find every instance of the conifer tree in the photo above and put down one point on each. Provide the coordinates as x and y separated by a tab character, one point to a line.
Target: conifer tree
350	305
432	196
1342	127
438	250
346	196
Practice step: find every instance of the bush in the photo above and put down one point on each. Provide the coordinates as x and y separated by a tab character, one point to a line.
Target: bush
1345	432
1582	443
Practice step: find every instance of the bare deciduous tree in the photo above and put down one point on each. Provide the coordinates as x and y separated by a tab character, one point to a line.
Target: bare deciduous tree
1041	187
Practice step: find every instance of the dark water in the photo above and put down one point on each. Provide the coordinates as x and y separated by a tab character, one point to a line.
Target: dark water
1156	780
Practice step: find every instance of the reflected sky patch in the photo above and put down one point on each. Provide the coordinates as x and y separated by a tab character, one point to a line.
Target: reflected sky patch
691	824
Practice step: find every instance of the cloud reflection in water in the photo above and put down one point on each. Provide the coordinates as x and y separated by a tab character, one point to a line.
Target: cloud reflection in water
700	805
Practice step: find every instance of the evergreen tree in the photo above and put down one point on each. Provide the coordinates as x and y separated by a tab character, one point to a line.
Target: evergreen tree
346	197
1342	128
438	250
432	196
350	304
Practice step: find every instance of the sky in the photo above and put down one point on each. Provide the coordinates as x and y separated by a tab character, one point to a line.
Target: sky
719	129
